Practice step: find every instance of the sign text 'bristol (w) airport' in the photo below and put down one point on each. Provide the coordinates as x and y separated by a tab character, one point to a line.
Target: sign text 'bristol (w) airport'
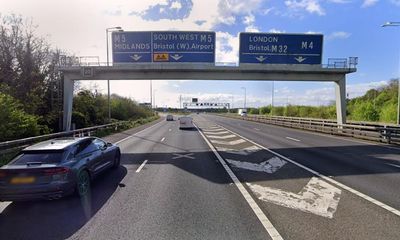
165	46
272	48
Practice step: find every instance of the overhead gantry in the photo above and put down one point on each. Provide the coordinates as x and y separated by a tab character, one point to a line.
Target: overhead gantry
180	71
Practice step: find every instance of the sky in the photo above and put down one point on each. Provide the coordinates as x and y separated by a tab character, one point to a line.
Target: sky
351	28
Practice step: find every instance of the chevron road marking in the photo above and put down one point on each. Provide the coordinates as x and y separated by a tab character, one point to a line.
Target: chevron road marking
270	166
222	137
231	143
245	151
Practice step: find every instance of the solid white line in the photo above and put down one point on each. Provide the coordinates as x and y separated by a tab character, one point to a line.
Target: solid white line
294	139
273	233
393	165
131	136
141	166
257	129
4	205
162	139
328	179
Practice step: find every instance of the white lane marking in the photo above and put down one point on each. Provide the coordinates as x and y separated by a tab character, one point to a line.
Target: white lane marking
317	197
359	194
216	133
4	205
257	129
162	139
231	143
131	136
222	137
187	155
245	151
141	166
270	166
213	130
293	139
393	165
273	233
169	130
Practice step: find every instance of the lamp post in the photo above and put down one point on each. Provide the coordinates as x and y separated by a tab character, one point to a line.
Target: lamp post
244	105
108	64
395	24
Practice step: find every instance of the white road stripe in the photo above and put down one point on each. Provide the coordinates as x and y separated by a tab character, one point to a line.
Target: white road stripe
162	139
328	179
273	233
169	130
216	133
4	205
141	166
131	136
222	137
231	143
257	129
293	139
393	165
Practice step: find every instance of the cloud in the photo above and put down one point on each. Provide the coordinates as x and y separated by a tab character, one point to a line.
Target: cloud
249	21
274	30
229	10
227	47
395	2
369	3
311	6
338	35
171	9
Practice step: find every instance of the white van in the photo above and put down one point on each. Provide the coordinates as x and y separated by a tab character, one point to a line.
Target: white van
186	123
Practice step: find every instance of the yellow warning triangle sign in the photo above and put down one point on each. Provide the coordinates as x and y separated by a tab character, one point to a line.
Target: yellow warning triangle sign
160	57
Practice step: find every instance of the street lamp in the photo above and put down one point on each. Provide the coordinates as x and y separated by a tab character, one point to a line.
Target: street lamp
119	29
244	105
395	24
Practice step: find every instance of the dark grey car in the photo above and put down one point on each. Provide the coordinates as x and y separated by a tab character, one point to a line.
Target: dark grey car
56	168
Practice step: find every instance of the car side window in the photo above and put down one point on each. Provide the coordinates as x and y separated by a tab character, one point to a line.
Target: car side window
99	143
86	147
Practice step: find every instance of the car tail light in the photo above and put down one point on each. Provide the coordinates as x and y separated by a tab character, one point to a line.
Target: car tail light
56	171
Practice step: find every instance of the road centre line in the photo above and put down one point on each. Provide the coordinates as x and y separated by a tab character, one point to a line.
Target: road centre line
162	139
141	166
293	139
273	233
131	136
359	194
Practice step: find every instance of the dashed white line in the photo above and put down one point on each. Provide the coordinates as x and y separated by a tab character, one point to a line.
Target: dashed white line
293	139
4	205
162	139
169	130
257	129
141	166
359	194
273	233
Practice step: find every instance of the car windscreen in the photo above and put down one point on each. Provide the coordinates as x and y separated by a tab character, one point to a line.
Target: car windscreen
38	157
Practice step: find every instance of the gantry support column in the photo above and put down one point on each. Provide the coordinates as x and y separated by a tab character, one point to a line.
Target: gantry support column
340	89
67	106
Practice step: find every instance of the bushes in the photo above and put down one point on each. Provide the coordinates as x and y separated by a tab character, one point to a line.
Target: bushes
14	121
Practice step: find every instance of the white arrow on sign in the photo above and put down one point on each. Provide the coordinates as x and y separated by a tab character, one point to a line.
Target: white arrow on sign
231	143
136	57
176	57
300	59
270	166
261	58
317	197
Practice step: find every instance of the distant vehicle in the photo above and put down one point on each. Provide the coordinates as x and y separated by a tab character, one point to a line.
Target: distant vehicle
186	123
170	118
56	168
242	112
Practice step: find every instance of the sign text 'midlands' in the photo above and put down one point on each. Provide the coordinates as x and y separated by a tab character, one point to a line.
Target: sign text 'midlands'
271	48
173	46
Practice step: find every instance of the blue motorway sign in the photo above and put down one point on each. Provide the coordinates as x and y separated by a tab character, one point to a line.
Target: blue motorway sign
163	46
277	48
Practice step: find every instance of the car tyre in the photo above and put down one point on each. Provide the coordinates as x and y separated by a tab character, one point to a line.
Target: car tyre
117	160
83	183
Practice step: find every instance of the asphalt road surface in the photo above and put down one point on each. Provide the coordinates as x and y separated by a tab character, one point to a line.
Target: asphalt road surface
228	179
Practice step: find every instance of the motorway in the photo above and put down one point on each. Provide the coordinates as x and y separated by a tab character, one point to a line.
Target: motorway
228	179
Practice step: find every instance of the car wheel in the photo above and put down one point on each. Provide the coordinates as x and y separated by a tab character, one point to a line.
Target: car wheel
83	185
117	160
